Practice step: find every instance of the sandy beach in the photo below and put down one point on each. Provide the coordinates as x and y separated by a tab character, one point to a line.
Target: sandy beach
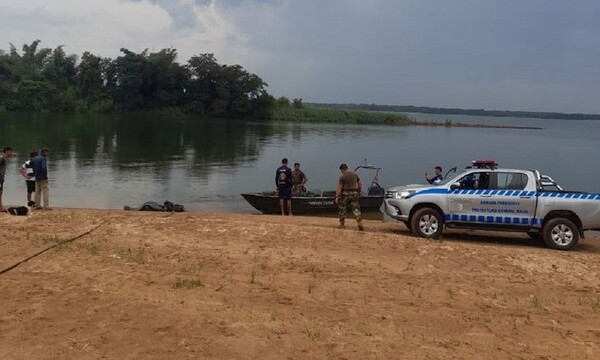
227	286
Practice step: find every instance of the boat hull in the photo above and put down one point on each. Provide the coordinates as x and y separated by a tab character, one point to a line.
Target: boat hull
269	203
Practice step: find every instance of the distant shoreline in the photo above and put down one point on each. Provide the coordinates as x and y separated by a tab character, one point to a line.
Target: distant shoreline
458	111
310	114
465	125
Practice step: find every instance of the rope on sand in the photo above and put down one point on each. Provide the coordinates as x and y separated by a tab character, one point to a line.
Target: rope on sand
52	247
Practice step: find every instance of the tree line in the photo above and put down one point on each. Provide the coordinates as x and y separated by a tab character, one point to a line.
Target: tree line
45	79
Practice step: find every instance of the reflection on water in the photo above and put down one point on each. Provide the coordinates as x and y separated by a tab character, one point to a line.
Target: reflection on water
108	161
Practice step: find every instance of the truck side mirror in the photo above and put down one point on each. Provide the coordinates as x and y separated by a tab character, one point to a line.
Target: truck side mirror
455	185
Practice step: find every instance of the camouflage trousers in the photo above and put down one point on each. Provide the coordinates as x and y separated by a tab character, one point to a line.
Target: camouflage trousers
349	199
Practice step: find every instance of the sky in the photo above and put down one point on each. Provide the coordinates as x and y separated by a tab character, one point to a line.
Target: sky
532	55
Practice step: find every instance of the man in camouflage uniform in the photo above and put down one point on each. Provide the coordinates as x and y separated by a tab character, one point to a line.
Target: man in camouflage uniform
347	194
299	179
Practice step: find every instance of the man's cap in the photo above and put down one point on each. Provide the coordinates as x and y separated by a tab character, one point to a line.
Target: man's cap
45	149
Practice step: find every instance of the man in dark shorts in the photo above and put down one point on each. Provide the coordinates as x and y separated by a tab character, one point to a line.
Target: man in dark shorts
347	194
6	154
26	170
283	181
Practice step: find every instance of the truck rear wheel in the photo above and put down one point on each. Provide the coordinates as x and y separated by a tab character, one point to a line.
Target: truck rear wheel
560	234
427	223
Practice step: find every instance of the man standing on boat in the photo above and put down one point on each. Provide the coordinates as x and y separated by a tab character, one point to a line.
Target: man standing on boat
299	179
283	181
347	194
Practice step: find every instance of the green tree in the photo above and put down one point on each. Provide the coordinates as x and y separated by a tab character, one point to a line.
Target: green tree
5	78
33	95
149	80
89	76
167	79
42	79
223	90
282	102
60	69
59	73
202	89
16	68
30	64
262	106
298	103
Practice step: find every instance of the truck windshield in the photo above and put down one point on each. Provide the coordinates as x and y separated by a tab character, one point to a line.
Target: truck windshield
450	178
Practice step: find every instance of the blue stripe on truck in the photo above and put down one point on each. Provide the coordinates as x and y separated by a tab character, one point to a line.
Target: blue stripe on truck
493	219
510	193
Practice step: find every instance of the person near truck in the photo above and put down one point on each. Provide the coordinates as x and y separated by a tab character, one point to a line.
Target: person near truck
347	194
470	181
26	170
437	179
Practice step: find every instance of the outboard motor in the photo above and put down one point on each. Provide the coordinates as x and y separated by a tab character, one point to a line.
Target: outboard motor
376	190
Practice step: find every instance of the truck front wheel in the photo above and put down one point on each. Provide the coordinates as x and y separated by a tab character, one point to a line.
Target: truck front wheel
560	234
427	223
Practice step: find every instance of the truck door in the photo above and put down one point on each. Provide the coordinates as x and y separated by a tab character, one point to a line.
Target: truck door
472	200
515	205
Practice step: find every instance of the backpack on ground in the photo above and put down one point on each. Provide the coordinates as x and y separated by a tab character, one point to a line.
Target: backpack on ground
18	210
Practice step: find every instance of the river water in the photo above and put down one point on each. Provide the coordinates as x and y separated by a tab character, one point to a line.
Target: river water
108	161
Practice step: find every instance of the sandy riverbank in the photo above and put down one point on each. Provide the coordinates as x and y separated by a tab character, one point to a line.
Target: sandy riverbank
226	286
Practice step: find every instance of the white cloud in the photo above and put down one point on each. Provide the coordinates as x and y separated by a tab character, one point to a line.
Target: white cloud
100	26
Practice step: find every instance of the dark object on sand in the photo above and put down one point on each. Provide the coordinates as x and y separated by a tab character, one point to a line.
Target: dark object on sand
18	210
154	206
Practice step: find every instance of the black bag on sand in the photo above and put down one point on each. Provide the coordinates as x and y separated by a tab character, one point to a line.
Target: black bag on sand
18	210
170	207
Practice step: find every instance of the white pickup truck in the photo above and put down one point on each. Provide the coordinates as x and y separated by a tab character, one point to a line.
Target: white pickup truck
485	197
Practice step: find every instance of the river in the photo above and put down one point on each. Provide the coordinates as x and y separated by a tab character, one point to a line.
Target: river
108	161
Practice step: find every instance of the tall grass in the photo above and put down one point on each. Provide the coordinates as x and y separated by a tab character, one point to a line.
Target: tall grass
345	116
326	115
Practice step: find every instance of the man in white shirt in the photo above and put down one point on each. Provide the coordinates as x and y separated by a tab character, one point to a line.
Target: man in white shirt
26	170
